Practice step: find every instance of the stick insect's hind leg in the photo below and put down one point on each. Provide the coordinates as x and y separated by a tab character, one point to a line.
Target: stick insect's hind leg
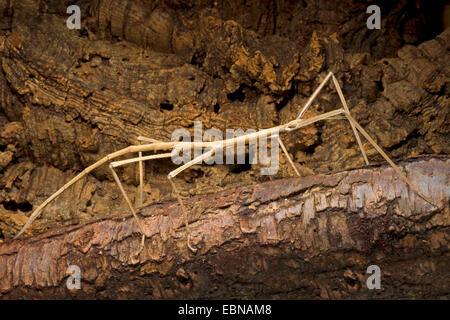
141	180
172	175
305	107
386	157
344	104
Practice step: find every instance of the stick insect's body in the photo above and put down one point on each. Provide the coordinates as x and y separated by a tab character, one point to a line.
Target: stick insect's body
210	148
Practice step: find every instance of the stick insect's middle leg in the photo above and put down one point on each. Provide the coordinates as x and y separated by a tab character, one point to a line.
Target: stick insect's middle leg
283	147
184	211
142	168
141	227
172	175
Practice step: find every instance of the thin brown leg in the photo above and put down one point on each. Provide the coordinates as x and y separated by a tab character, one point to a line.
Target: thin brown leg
140	160
142	169
184	211
172	175
141	181
35	214
344	103
288	156
138	221
314	95
386	157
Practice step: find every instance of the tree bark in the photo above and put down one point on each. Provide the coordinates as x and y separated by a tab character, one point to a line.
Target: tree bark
306	237
69	97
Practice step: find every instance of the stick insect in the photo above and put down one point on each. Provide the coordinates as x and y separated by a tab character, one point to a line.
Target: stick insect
147	144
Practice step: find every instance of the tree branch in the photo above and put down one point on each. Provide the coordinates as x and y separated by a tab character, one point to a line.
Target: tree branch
306	237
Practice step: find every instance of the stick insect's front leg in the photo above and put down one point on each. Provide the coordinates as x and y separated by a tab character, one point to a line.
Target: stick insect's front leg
172	175
130	149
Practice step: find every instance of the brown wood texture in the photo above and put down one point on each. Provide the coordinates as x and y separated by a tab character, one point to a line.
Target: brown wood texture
305	237
70	97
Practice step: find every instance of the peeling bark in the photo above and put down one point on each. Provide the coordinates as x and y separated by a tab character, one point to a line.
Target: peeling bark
307	237
69	97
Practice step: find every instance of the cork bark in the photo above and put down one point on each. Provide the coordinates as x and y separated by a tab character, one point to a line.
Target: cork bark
142	67
305	237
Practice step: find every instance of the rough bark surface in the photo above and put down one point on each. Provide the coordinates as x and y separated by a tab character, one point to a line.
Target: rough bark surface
69	97
144	67
308	237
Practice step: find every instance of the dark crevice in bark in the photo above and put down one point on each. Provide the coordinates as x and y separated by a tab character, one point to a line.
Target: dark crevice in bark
14	206
238	95
287	96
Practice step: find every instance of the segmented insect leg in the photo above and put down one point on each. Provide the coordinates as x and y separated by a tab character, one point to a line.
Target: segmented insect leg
142	168
172	175
344	104
386	157
288	156
139	159
141	227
